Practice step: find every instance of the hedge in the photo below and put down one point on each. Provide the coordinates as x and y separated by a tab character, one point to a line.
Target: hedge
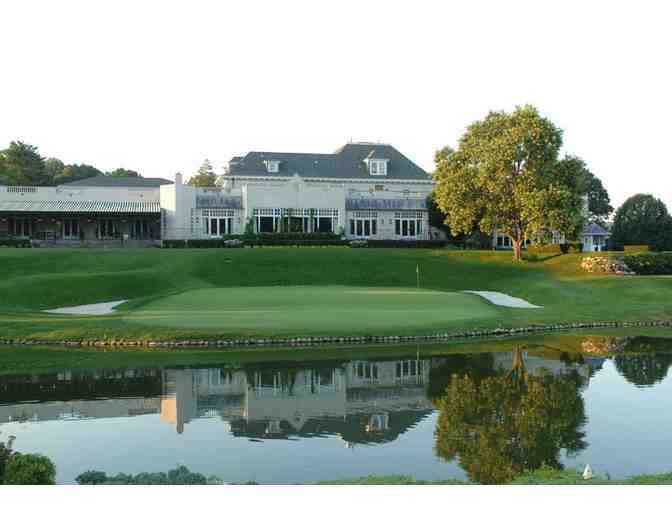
398	243
15	243
650	263
251	242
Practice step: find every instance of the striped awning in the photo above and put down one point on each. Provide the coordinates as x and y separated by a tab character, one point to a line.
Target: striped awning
76	206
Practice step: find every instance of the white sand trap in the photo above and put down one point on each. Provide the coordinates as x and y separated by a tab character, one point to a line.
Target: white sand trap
95	309
500	299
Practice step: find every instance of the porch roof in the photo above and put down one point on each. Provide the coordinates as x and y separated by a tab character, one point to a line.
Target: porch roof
77	206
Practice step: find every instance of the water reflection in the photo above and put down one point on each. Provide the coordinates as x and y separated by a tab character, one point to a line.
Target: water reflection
493	414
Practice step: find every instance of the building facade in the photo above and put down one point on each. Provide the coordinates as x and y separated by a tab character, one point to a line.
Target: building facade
95	211
363	191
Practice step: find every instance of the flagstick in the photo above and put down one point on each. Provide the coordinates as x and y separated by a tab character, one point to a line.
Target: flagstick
417	273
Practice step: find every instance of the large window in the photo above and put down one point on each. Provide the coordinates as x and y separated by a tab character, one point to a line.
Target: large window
70	229
20	227
218	222
364	224
107	229
295	220
408	224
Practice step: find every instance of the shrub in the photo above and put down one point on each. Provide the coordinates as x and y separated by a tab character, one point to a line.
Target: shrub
29	469
6	453
650	263
178	476
15	243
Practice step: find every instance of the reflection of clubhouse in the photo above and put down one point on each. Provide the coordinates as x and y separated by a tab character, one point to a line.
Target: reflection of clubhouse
361	401
358	401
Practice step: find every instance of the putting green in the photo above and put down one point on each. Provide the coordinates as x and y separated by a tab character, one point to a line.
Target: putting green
312	310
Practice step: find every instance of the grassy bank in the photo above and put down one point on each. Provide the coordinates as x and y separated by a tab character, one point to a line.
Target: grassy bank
35	280
538	477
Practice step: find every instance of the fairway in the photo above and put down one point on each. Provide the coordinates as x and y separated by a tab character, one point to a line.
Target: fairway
312	310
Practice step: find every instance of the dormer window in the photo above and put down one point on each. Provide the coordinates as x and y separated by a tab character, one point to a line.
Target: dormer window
377	166
272	166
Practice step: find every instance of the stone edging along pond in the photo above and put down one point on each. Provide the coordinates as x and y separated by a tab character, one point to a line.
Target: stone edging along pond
314	341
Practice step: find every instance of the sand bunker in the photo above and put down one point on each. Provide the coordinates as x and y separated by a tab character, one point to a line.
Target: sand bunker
500	299
95	309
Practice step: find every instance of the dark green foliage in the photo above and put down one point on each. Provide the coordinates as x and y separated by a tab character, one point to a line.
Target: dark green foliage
123	172
643	219
29	469
6	453
650	263
14	243
76	172
22	165
251	240
178	476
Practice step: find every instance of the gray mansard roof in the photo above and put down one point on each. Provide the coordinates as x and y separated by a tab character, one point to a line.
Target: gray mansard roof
346	163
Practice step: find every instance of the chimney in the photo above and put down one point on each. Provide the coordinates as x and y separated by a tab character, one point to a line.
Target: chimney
178	179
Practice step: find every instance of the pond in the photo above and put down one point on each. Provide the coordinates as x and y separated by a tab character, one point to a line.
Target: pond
484	415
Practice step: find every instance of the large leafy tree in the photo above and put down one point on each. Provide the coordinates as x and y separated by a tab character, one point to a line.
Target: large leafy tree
205	177
22	165
599	204
643	219
504	176
510	422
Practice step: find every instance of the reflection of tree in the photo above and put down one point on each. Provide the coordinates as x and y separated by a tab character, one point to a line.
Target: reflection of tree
643	369
443	370
510	422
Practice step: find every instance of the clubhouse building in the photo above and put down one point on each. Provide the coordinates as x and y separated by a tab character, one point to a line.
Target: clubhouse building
363	190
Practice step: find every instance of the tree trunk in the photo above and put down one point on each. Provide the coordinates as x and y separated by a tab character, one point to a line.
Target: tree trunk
517	249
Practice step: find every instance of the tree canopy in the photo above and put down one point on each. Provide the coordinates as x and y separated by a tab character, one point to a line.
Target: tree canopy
124	172
22	165
505	176
205	177
643	219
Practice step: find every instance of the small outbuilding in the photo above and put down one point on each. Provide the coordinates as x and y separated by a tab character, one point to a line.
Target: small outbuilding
594	237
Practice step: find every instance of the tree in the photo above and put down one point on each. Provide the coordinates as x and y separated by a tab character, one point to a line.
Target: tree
643	219
205	178
54	167
72	173
510	422
123	172
22	165
599	204
504	177
29	469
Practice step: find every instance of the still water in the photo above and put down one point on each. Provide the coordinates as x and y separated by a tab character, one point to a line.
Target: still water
483	416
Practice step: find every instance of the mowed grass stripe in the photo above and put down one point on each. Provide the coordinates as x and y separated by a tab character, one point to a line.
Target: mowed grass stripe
274	310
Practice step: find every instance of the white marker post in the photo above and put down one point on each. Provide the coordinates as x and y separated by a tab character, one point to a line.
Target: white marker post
417	274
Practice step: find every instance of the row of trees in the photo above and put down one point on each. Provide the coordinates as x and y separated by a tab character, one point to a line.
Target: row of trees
22	165
506	175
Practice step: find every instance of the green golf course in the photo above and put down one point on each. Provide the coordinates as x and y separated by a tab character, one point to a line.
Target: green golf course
313	310
206	294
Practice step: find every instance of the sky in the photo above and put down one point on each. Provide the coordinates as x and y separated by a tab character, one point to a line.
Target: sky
160	86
